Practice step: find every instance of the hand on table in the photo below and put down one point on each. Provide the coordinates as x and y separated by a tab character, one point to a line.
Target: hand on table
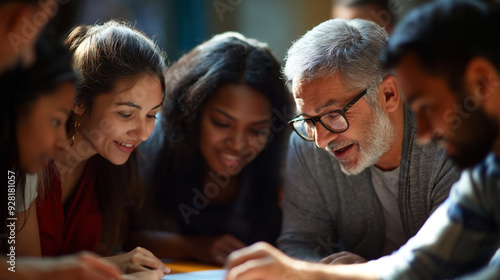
215	249
262	261
343	258
82	266
138	260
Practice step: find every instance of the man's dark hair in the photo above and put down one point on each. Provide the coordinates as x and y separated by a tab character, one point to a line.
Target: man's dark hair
445	35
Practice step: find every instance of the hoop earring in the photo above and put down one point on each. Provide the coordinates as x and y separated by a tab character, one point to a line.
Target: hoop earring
76	124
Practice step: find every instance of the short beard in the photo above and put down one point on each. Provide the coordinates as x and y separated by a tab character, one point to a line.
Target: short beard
477	135
376	142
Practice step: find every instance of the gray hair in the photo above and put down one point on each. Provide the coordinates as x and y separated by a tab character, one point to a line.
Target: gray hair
348	47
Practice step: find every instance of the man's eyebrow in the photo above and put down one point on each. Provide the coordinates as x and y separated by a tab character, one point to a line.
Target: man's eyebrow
327	104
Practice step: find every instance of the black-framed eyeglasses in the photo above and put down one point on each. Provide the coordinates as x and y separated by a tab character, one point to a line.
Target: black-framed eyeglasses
334	121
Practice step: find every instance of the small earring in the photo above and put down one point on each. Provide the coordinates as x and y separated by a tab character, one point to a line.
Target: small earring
76	124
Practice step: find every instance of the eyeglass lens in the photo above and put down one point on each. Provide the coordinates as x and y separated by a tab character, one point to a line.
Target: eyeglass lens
334	122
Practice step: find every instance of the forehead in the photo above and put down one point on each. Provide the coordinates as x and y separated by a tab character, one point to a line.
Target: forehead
413	80
417	85
61	98
411	76
310	95
64	94
240	100
139	89
144	90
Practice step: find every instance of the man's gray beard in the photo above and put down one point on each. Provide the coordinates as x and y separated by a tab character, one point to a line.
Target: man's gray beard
377	142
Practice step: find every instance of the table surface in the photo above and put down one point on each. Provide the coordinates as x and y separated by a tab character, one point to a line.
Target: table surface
181	266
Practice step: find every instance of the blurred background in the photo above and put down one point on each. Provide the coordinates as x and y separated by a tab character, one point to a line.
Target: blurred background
179	25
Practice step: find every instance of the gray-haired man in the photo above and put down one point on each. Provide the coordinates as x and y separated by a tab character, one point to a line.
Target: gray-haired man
358	186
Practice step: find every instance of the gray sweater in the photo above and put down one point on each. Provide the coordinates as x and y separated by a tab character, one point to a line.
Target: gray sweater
326	211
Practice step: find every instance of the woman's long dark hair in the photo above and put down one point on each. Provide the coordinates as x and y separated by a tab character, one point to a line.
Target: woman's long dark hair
104	54
228	58
19	89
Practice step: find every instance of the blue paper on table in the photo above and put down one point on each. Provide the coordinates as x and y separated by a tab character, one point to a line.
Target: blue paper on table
216	274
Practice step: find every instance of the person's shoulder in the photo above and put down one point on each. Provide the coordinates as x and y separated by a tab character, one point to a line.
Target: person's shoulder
433	158
430	150
479	183
488	169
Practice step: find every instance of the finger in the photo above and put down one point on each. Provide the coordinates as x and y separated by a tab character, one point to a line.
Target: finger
134	267
140	253
146	275
88	273
99	264
255	251
252	269
219	259
158	264
326	260
344	257
152	274
331	257
146	252
342	260
222	247
147	261
141	263
234	242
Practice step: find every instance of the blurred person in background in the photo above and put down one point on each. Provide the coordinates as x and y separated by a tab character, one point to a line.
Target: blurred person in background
378	11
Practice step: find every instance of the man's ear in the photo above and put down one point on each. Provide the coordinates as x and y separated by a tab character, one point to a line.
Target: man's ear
481	78
389	91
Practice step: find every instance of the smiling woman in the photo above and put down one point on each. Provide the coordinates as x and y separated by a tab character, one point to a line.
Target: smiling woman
35	105
90	184
234	107
216	158
120	120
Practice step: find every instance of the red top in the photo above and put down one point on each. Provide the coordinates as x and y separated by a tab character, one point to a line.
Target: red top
70	228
